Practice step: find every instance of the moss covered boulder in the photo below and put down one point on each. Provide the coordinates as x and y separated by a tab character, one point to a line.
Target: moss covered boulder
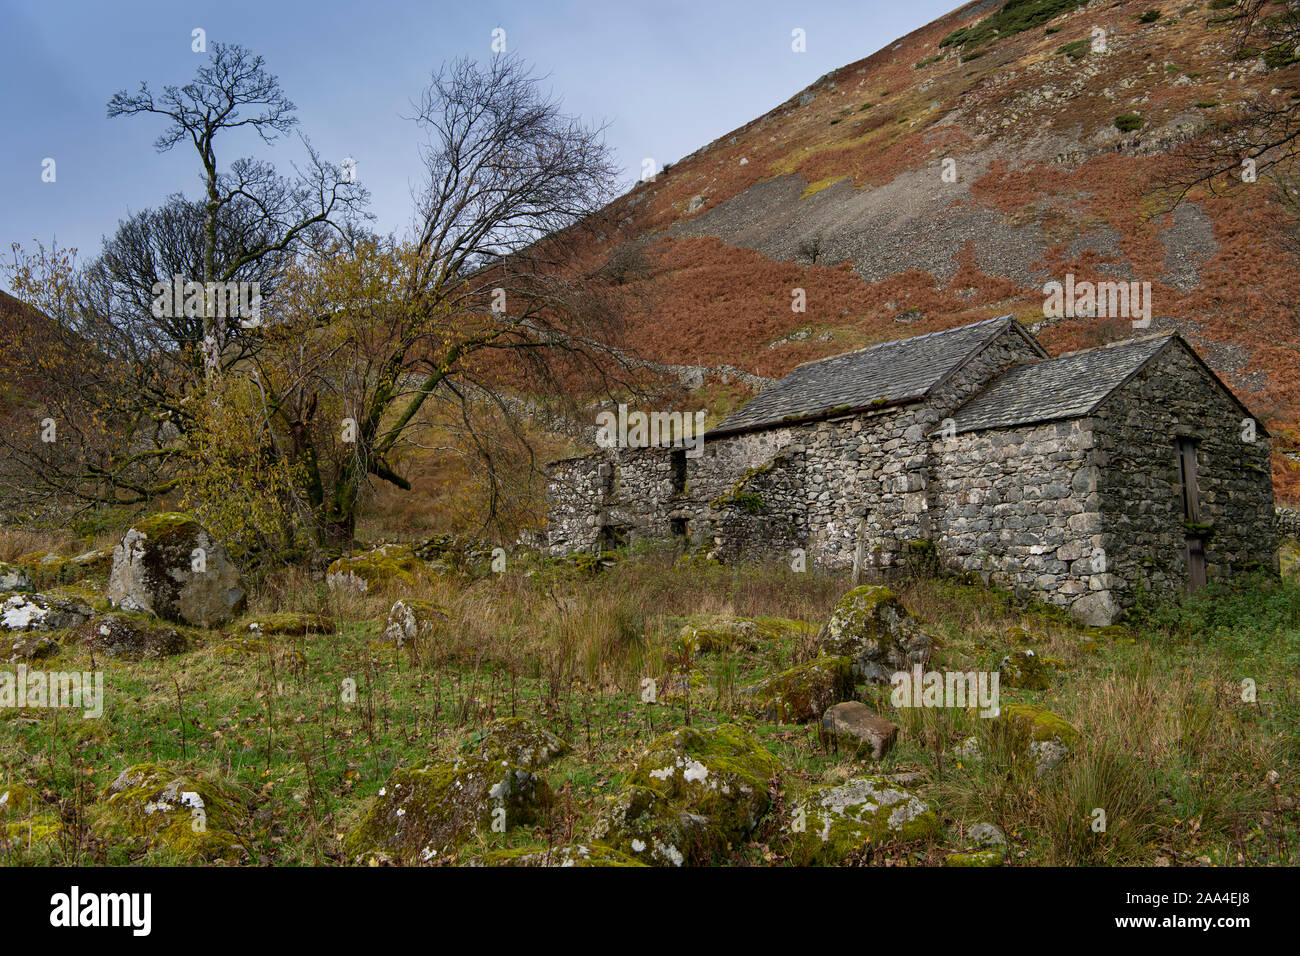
712	635
96	563
411	621
17	799
1037	733
44	568
1028	670
832	823
573	854
870	626
691	793
169	565
854	728
13	578
518	740
374	571
288	624
39	612
129	636
802	693
154	808
28	647
420	814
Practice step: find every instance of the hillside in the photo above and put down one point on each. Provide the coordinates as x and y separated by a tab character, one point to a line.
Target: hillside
840	191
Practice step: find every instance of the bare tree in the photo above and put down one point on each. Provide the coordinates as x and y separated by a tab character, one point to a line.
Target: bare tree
235	91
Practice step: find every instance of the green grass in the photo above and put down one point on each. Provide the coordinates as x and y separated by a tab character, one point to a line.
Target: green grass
1169	749
1013	17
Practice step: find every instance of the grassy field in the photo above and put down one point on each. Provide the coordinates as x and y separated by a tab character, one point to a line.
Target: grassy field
1186	771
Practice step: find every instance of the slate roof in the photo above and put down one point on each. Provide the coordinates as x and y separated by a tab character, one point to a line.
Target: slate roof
888	373
1065	387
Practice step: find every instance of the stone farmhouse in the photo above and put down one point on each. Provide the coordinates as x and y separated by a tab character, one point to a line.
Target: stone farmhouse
1082	480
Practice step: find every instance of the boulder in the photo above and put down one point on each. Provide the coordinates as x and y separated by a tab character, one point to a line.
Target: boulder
129	636
1043	736
691	793
169	565
1024	669
38	612
97	562
412	620
833	822
13	578
372	571
852	726
191	816
573	854
802	693
870	626
423	813
31	647
44	568
719	634
519	741
986	836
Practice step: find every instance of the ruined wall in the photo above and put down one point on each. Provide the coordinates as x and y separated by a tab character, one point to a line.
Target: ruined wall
1140	480
1019	506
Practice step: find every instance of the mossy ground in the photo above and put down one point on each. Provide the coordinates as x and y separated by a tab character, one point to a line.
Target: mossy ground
310	727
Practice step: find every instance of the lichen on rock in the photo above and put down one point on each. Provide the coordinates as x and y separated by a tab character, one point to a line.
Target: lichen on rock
833	822
370	571
874	629
131	636
518	740
169	565
190	815
803	692
422	813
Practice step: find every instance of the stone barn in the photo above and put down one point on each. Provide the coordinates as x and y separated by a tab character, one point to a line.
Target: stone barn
1082	479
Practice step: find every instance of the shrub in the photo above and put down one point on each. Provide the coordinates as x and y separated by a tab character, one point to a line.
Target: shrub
1150	16
1128	122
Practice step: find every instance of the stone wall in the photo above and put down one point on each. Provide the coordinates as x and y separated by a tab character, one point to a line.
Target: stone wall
1140	480
1019	507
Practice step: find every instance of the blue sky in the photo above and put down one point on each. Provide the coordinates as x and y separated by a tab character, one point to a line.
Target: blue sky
667	76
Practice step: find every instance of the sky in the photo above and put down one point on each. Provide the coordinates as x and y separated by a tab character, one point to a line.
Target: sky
667	77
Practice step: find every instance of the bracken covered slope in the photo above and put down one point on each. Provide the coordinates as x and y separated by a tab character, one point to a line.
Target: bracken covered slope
841	192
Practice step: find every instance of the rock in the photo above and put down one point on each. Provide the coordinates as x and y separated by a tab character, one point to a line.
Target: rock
870	626
833	822
32	648
519	741
412	620
692	793
802	693
290	625
45	568
13	578
975	858
852	726
1043	735
95	562
17	799
374	570
715	635
574	854
191	816
986	835
423	813
1023	668
1096	609
968	749
37	612
169	565
129	636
